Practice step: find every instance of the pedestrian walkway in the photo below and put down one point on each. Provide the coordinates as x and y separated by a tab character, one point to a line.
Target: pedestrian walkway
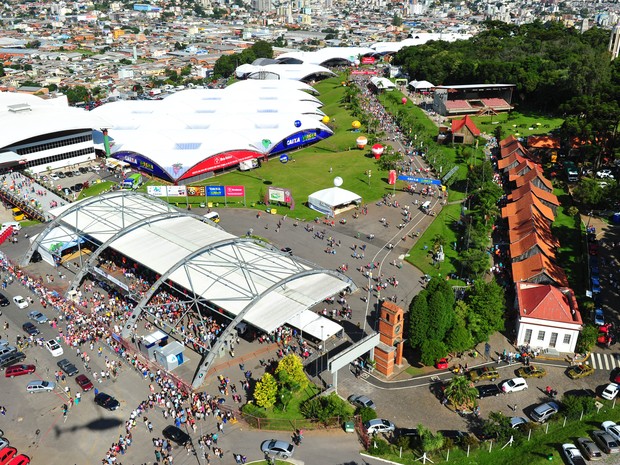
606	362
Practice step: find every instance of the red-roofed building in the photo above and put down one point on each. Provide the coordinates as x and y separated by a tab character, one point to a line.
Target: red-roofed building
464	131
549	317
536	177
539	269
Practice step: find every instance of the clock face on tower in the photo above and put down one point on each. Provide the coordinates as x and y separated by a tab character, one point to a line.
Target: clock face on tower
397	329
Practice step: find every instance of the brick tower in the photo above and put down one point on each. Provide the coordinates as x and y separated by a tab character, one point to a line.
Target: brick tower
389	352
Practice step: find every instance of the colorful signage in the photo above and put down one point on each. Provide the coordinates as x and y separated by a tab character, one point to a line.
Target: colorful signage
368	60
277	194
195	191
156	191
284	158
411	179
220	161
215	191
301	138
142	163
177	191
234	191
364	71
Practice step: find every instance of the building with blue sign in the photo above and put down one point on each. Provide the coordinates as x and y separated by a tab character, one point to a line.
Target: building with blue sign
189	135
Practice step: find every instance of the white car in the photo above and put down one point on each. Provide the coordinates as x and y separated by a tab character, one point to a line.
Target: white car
514	385
605	174
612	429
573	455
20	301
54	348
611	391
54	177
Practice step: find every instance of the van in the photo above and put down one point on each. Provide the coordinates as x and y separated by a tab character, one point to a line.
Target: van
16	225
213	216
426	205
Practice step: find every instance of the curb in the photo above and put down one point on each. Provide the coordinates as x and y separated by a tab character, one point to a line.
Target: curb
379	459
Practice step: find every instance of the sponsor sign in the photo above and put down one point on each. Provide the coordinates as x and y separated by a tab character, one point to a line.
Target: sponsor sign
364	72
142	163
215	191
277	194
300	139
234	191
177	191
220	161
411	179
284	158
195	191
368	60
156	191
111	278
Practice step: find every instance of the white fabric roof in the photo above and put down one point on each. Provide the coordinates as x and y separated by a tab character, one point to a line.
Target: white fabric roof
421	85
43	117
295	72
418	39
231	275
334	196
257	85
316	325
318	57
382	83
192	125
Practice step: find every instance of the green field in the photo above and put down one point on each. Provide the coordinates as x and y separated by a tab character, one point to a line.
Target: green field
420	255
517	124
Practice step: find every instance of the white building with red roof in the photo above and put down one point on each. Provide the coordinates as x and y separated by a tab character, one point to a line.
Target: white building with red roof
548	317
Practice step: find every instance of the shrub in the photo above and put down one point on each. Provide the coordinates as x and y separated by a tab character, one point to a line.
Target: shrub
324	408
366	413
575	405
254	410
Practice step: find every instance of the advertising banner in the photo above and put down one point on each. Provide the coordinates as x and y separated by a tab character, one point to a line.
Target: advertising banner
143	164
234	191
368	60
215	191
277	194
435	182
177	191
300	139
219	161
196	191
156	191
392	177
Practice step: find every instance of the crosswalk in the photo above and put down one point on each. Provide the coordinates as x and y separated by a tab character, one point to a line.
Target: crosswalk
604	361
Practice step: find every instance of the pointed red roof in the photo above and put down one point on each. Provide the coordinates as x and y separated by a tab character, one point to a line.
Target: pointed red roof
547	302
458	124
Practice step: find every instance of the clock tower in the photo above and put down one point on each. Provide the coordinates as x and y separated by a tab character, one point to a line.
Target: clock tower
389	352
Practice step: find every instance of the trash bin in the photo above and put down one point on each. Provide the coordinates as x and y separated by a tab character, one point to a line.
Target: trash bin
210	204
273	211
349	427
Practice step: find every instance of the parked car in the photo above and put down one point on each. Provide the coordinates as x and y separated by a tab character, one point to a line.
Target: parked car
68	367
518	422
11	359
20	301
573	455
604	174
479	374
7	350
175	434
442	364
85	383
543	412
606	442
40	386
278	448
361	401
4	302
19	370
514	385
589	449
20	459
531	371
379	425
4	442
54	348
6	454
106	401
612	428
599	317
580	371
30	329
38	317
611	391
488	390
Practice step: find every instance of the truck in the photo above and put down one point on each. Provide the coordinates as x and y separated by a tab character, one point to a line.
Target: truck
133	181
572	172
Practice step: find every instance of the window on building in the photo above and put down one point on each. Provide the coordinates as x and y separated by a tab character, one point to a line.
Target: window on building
541	335
528	336
554	339
567	339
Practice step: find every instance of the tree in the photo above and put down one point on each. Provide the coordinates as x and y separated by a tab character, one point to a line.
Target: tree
589	192
442	316
290	372
432	350
498	426
262	49
265	392
461	393
325	408
575	406
430	442
475	262
366	413
488	305
587	338
459	338
397	20
419	320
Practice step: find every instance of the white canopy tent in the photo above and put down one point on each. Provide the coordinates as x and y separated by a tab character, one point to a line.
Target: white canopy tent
421	86
315	325
333	200
382	83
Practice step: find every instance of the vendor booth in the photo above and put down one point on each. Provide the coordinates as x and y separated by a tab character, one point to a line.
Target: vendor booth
333	201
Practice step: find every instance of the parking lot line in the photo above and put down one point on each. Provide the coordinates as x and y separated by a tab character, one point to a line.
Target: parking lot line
606	362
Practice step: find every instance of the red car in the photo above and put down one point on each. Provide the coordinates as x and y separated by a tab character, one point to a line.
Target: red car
442	364
6	454
20	459
19	370
84	382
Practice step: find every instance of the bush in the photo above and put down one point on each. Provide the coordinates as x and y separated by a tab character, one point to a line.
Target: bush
324	408
366	413
379	446
575	405
254	410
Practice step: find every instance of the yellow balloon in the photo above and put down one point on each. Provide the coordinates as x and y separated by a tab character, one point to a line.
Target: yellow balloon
325	119
356	124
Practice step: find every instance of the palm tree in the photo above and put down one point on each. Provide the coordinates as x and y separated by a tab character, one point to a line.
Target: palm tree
461	393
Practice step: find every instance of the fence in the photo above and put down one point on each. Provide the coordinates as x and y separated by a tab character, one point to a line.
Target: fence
287	424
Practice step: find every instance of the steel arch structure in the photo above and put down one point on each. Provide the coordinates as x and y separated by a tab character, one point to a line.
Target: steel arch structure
253	298
84	270
75	208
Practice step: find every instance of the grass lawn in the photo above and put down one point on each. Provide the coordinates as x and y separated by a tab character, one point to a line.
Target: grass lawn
533	452
96	189
291	418
571	254
413	371
518	124
419	255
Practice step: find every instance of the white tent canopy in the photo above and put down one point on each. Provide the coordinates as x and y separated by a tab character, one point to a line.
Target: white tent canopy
421	85
382	83
315	325
328	200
